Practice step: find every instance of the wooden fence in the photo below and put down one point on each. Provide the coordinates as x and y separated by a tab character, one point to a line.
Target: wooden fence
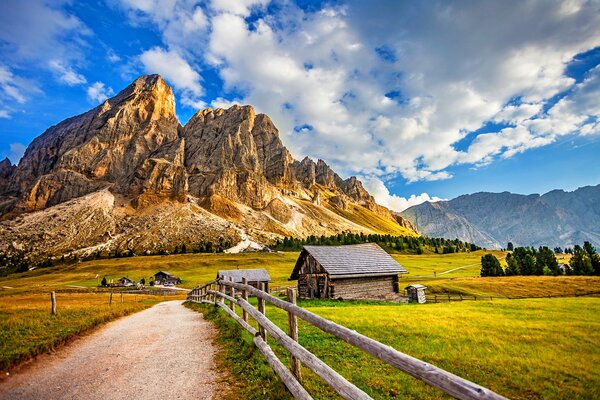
236	294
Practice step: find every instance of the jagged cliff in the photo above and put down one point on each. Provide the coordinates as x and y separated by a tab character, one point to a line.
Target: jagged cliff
127	175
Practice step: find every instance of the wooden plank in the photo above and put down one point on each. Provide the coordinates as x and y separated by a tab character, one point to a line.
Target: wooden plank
286	377
245	297
53	301
262	310
232	303
447	382
293	332
344	388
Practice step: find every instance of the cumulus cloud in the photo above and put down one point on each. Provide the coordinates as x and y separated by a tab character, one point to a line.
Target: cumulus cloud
396	203
390	88
98	92
173	67
13	90
66	74
40	31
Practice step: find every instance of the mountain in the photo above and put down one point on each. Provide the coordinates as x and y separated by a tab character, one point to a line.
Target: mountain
491	220
127	175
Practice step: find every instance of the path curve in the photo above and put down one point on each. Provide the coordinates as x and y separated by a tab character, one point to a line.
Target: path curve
164	352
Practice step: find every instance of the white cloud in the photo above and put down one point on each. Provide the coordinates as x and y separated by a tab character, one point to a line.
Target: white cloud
388	88
396	203
16	152
13	89
66	74
98	92
173	67
4	114
237	7
40	31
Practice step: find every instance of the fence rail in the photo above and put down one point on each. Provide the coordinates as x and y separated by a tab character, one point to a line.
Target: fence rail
214	292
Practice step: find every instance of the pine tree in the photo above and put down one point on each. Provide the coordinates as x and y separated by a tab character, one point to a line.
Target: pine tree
490	266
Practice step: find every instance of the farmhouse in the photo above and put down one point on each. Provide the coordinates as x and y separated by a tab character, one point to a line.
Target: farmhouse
348	272
124	281
254	276
162	277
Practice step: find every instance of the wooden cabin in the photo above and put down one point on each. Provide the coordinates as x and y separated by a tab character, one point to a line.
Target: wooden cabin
162	277
347	272
125	281
254	276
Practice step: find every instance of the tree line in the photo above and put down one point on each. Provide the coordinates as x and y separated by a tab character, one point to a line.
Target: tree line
391	243
542	261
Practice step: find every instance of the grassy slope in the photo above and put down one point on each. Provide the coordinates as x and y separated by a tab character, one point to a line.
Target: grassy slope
193	269
523	349
28	329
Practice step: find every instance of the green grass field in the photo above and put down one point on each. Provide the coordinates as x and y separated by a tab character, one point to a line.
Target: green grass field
523	349
28	329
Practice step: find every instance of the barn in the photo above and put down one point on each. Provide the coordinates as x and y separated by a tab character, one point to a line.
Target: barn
347	272
254	276
162	277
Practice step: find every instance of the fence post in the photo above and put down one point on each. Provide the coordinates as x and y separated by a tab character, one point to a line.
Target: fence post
245	297
435	298
53	300
121	297
232	303
262	310
448	297
110	299
293	332
461	299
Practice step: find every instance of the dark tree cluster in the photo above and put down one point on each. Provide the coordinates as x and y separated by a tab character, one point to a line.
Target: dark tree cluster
490	266
531	261
585	260
397	244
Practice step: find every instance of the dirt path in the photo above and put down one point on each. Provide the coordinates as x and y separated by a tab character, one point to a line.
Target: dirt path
164	352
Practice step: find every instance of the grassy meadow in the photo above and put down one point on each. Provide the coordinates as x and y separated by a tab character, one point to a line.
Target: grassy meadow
27	328
527	349
522	349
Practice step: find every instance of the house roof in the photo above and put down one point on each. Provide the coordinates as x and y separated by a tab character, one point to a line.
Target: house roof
165	273
253	275
366	259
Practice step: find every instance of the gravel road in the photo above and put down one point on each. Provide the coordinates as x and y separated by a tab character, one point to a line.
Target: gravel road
164	352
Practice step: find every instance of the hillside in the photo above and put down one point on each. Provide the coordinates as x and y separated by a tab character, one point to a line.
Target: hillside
491	220
127	175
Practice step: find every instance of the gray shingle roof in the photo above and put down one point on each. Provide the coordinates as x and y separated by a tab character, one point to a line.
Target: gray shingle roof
358	259
253	275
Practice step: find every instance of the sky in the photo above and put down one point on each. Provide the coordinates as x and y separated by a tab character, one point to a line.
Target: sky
422	100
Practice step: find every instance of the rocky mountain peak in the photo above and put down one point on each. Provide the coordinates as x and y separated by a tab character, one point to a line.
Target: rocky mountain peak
230	162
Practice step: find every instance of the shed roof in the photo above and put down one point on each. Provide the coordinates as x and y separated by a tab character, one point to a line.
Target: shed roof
165	273
366	259
253	275
416	286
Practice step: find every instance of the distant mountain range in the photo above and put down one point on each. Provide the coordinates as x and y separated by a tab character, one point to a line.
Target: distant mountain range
491	220
127	175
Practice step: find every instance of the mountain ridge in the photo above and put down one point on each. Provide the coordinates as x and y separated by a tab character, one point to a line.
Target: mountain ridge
557	218
225	173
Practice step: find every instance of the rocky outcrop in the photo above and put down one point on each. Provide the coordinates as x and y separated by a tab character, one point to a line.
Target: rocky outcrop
104	146
229	164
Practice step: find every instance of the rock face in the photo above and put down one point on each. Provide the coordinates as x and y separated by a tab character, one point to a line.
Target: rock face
491	220
227	168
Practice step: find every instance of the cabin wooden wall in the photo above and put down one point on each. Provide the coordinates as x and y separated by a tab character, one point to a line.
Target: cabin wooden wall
356	288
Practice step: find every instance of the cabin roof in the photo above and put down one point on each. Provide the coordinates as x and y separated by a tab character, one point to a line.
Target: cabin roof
366	259
165	273
253	275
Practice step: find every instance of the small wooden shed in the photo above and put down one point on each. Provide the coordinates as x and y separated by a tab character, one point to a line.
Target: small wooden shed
162	277
254	276
416	293
347	272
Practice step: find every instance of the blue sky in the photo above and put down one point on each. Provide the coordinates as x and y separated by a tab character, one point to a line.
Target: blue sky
421	100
